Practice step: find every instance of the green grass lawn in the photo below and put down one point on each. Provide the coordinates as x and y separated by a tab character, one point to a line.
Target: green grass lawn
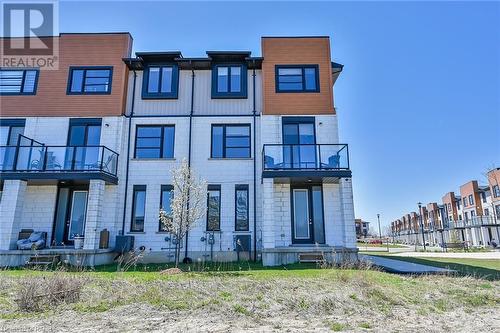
484	268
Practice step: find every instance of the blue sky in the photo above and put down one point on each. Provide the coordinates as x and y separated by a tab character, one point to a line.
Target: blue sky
419	98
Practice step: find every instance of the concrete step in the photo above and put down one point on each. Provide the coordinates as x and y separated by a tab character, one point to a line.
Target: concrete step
43	260
311	257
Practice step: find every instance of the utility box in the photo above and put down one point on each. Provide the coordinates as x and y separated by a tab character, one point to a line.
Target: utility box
124	243
104	239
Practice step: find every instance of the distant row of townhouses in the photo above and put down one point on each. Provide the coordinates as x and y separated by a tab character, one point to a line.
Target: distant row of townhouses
471	218
87	150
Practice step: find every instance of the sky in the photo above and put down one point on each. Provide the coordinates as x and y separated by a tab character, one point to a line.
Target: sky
418	101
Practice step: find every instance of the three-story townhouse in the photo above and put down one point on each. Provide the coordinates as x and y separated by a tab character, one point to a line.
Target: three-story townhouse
263	133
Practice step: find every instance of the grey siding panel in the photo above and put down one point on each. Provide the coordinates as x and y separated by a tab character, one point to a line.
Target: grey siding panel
155	107
203	102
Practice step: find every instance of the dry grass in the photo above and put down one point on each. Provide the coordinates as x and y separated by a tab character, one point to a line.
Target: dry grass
300	300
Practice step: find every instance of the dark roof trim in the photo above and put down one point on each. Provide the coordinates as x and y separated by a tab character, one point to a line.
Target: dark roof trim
196	63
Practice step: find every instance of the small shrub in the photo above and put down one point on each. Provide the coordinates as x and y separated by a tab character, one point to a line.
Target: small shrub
240	309
365	325
37	293
338	327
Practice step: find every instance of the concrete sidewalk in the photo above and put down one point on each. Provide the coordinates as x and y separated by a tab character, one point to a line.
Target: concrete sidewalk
403	267
461	255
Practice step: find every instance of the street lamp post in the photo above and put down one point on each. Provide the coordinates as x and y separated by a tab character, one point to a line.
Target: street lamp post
421	223
379	232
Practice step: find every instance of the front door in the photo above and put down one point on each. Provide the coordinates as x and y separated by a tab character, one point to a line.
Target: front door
307	215
71	214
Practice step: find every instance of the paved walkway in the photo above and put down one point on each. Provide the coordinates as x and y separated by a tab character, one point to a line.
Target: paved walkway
403	267
462	255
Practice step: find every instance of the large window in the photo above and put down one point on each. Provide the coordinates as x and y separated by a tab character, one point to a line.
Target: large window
496	191
230	141
229	81
154	141
18	81
90	80
297	78
160	81
465	201
213	208
138	208
471	199
241	208
10	129
167	192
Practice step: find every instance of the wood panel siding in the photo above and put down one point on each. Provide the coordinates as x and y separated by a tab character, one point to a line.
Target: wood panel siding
449	198
77	50
297	51
471	188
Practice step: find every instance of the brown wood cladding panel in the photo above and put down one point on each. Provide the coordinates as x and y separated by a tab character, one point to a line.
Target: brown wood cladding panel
77	50
296	51
468	189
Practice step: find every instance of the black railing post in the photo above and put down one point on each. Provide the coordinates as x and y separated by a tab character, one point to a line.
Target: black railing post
319	156
102	156
73	159
44	164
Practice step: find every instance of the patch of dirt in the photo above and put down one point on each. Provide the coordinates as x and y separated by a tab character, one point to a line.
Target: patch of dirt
144	317
171	271
352	301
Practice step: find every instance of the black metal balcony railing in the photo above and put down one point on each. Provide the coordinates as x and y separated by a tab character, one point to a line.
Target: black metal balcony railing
305	157
40	158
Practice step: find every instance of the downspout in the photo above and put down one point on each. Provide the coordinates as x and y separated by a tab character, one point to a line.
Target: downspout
254	111
128	152
189	145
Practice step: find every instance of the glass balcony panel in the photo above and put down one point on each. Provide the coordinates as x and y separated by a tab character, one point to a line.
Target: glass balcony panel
59	158
87	158
305	156
109	161
7	157
30	158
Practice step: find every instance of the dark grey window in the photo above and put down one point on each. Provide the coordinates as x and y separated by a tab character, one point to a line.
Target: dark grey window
496	191
155	141
9	134
230	141
138	208
241	208
18	81
297	78
90	80
229	81
160	81
213	208
471	199
167	193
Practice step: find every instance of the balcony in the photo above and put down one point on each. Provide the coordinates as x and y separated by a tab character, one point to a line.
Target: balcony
475	221
32	160
306	161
